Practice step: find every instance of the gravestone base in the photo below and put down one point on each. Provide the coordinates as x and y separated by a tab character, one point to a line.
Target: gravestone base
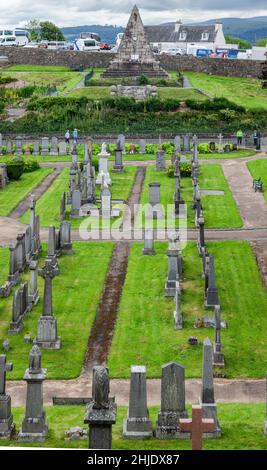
167	425
14	278
75	214
66	249
211	298
5	289
16	327
33	430
118	169
137	428
209	411
218	359
170	288
33	299
148	251
7	427
178	321
47	333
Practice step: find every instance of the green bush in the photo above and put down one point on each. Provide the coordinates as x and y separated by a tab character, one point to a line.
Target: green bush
170	104
216	104
30	165
143	80
170	171
185	168
15	168
204	148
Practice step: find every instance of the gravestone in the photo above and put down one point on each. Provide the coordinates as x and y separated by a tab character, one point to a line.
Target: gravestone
101	411
186	143
62	206
28	244
207	400
218	356
212	146
212	297
65	238
220	143
148	242
51	252
47	325
227	148
173	272
121	143
21	252
103	166
137	425
197	427
142	146
177	144
62	148
172	401
156	210
7	427
20	308
45	146
118	166
18	145
34	426
105	202
54	146
160	160
36	149
9	147
33	290
76	204
177	314
14	275
201	236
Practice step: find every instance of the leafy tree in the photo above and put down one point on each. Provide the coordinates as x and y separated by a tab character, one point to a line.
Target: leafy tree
33	26
51	32
261	42
243	44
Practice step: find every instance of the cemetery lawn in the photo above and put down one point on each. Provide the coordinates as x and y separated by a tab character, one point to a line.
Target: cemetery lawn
48	205
36	68
63	80
147	316
15	191
234	419
76	294
258	169
219	211
243	91
93	92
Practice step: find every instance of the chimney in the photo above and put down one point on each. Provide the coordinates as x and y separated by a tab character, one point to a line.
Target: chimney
218	25
178	24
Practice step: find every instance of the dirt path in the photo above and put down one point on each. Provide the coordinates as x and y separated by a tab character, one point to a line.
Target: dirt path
36	192
226	390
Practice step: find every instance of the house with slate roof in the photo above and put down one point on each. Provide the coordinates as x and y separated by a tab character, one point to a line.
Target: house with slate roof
186	37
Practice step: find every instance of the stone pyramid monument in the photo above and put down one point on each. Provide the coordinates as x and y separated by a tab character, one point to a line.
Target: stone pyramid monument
134	56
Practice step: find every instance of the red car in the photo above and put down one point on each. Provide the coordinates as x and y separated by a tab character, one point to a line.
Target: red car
104	47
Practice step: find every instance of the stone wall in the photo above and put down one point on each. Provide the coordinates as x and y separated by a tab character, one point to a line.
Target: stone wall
227	67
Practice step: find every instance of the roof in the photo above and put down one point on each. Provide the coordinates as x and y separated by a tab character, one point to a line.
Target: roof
166	33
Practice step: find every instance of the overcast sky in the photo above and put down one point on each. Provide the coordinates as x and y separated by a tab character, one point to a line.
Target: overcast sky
80	12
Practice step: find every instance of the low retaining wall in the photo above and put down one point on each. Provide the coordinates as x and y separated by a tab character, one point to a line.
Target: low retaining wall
226	67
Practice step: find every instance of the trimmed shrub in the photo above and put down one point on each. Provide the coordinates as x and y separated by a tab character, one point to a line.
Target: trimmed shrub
30	164
143	80
15	168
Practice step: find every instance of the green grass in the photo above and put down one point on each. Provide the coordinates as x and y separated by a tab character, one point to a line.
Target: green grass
258	169
4	263
49	204
15	191
234	419
64	81
147	316
219	211
242	153
76	294
244	91
36	68
94	92
181	94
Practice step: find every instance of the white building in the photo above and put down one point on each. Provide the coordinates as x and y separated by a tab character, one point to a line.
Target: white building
187	37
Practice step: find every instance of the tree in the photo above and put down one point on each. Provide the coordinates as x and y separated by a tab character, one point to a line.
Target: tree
261	42
50	32
243	44
33	26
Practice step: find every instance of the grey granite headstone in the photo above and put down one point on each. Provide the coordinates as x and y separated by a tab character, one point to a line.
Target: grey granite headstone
62	206
187	143
103	166
36	149
62	148
33	291
54	146
118	166
218	356
65	238
220	143
45	146
155	210
207	400
160	160
173	273
14	275
172	401
137	425
212	297
34	426
76	204
9	147
7	427
121	143
177	314
18	145
201	236
142	146
148	242
47	325
101	412
177	144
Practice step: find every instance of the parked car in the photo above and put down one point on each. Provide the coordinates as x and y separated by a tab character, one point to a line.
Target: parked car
173	51
105	47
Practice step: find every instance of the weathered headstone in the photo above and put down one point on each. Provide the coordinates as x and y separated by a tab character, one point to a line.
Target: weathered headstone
218	356
76	204
47	325
33	290
148	242
20	307
121	143
7	426
34	426
160	160
45	146
118	166
14	275
207	400
172	401
173	273
220	143
54	146
36	149
156	210
211	296
177	144
177	314
103	166
105	202
9	147
142	146
18	145
201	236
62	150
62	206
101	412
137	425
65	238
186	143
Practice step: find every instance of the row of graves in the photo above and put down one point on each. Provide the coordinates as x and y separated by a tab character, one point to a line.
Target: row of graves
101	409
24	254
55	146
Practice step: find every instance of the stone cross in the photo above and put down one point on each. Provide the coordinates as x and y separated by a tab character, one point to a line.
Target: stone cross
4	367
197	426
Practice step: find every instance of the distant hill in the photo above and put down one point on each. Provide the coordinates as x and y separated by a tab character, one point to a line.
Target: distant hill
107	33
250	29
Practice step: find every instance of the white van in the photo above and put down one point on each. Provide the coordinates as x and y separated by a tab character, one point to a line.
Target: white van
21	36
8	41
86	45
